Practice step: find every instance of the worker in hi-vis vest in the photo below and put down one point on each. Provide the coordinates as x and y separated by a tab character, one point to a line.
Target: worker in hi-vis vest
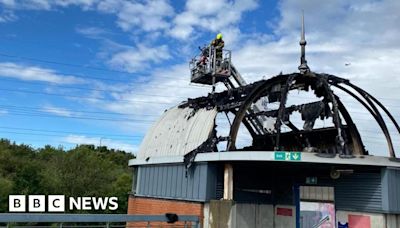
218	44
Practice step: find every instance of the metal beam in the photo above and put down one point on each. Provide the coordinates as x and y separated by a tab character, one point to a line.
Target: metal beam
268	156
30	217
378	118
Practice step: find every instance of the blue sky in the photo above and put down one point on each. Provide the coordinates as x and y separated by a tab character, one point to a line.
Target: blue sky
101	71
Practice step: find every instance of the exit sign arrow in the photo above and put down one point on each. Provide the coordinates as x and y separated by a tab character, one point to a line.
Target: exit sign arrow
287	156
295	156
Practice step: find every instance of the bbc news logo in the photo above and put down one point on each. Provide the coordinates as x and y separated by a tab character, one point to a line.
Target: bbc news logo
59	203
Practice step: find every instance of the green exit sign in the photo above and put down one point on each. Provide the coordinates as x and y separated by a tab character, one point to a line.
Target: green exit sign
287	156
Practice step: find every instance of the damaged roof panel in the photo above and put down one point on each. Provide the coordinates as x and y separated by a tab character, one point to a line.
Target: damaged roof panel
178	132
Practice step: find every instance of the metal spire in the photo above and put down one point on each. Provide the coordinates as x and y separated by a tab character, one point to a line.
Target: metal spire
303	62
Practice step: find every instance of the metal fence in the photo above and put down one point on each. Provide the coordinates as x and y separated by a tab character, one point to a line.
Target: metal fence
96	220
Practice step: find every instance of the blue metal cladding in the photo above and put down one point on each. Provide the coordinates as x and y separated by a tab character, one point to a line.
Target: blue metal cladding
375	190
369	192
170	181
391	190
359	192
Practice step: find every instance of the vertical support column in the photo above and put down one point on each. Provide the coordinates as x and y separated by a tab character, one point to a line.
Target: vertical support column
228	182
135	171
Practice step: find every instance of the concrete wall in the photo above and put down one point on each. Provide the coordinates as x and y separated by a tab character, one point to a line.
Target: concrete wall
253	215
228	214
285	216
219	214
392	221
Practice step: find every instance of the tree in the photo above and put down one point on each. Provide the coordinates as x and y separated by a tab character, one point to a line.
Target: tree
82	171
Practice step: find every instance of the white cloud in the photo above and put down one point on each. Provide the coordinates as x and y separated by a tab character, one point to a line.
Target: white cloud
337	32
165	88
3	112
210	8
213	16
33	73
47	4
8	3
30	5
40	4
58	111
7	16
363	33
86	4
93	32
139	58
114	144
149	16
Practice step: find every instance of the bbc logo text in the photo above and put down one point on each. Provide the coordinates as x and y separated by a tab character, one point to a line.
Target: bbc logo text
59	203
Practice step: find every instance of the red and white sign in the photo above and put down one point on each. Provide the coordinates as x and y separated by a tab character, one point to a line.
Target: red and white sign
359	221
284	211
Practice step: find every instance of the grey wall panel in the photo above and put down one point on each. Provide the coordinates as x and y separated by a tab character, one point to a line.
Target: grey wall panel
190	179
159	181
135	186
163	175
359	191
394	189
149	177
140	184
184	183
142	180
152	180
196	184
203	176
391	190
171	181
179	182
175	182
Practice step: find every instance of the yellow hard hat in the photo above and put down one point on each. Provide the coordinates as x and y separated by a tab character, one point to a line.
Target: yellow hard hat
219	36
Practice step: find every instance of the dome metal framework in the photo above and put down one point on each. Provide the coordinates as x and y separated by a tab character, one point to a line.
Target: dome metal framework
343	138
241	101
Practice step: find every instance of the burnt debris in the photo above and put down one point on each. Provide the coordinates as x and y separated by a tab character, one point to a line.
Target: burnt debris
343	138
